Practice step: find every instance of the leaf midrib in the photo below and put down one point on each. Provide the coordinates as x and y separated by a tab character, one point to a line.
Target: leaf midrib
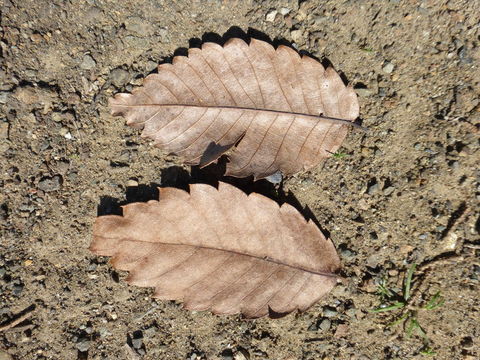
268	259
291	113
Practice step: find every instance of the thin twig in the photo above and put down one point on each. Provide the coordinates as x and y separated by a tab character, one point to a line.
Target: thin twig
152	309
17	321
21	328
472	246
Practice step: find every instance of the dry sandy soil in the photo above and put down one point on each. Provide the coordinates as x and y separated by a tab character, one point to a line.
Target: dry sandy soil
406	192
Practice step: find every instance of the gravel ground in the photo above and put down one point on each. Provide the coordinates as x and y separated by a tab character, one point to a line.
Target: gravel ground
406	192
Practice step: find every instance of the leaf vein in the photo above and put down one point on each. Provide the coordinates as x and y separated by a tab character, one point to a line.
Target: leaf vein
235	76
183	132
280	288
258	146
256	77
281	144
218	77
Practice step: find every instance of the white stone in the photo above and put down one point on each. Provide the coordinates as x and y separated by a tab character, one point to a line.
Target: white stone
450	243
132	182
87	63
388	68
270	17
297	36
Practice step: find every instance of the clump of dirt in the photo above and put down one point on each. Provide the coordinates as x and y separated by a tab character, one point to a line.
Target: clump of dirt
406	192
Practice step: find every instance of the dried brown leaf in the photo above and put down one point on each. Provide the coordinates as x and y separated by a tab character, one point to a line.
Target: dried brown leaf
263	103
197	248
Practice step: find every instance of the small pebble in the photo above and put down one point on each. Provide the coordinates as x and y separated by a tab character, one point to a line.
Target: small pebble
88	63
137	339
139	26
275	178
341	331
162	34
389	190
17	289
450	242
50	183
347	253
119	77
57	116
363	205
83	345
63	131
329	312
241	354
3	97
373	189
141	352
28	262
454	165
4	130
388	67
137	343
132	183
284	11
393	272
373	260
325	325
270	17
351	312
364	92
297	36
104	332
26	208
464	56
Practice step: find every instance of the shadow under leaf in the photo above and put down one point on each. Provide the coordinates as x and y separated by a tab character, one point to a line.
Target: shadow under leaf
178	177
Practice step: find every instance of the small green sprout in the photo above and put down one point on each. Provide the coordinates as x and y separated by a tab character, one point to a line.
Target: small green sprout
391	301
435	302
427	350
338	154
383	291
366	49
